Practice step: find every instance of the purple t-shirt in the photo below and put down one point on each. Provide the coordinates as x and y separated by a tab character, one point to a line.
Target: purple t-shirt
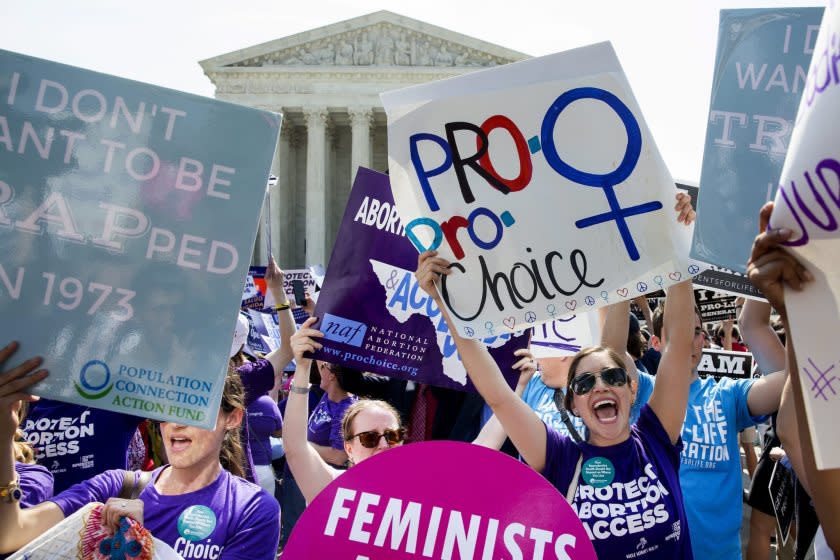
628	495
263	420
325	422
230	518
257	379
36	484
76	442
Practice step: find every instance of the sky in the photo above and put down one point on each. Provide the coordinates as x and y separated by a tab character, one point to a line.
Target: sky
666	47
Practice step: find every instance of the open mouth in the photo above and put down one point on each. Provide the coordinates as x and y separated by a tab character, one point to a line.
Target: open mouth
178	444
606	410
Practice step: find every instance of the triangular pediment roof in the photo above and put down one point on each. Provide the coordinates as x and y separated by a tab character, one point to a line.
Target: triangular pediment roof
378	39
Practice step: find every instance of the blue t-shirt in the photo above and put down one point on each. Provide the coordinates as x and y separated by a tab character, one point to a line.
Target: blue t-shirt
710	470
628	495
77	442
540	397
229	518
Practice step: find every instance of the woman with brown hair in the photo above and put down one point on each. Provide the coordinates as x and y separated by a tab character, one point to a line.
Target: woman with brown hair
623	482
197	504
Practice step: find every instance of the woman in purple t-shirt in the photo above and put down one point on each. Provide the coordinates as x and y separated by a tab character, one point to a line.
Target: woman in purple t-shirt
368	426
624	481
197	504
34	480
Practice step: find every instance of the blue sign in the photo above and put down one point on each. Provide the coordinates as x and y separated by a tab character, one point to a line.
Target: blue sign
127	217
760	71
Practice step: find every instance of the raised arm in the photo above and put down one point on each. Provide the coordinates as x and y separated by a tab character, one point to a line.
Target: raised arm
670	394
492	434
281	357
525	430
18	527
727	328
773	270
615	327
787	429
766	348
311	472
766	393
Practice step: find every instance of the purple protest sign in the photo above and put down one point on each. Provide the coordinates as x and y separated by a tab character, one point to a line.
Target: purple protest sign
439	507
374	315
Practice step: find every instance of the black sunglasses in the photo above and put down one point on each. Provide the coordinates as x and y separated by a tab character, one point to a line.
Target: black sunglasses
585	382
370	439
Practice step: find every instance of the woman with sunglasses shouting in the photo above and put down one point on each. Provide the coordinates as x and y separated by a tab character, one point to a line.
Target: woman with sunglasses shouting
368	426
623	482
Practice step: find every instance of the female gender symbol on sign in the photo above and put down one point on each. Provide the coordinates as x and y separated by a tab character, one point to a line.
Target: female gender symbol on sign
608	181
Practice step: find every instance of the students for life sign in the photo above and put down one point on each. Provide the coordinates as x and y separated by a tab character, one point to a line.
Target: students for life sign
439	500
808	203
540	182
127	217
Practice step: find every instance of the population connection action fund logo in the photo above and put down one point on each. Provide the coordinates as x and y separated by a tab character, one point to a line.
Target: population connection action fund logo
94	380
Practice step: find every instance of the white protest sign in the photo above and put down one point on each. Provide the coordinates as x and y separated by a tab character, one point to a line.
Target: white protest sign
564	336
542	185
808	203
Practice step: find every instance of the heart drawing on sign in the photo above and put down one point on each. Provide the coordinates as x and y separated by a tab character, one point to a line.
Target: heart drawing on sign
571	304
622	292
675	276
509	322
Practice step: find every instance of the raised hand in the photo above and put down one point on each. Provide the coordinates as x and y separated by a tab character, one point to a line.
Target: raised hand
771	267
303	340
274	278
527	365
13	382
685	213
429	268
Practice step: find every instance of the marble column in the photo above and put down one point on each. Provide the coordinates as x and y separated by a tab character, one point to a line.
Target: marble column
316	179
360	121
281	204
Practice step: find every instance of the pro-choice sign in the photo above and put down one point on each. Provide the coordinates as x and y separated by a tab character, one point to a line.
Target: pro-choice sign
127	217
541	184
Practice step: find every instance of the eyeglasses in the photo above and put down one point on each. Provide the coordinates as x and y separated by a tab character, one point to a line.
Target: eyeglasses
585	382
371	438
324	365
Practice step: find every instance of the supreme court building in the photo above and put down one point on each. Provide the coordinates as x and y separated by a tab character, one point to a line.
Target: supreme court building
327	82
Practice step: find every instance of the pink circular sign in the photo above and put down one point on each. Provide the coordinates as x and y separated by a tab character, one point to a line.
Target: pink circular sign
439	500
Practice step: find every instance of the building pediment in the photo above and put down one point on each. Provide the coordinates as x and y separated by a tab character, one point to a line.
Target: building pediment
381	39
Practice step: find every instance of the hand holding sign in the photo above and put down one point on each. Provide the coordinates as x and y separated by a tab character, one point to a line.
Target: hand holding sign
274	280
583	159
14	381
685	212
430	268
770	267
304	341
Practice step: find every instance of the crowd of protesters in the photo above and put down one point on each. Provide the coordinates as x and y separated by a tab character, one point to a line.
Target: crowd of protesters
634	398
